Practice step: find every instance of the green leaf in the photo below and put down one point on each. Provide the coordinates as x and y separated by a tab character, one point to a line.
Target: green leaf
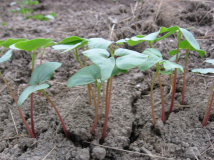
190	38
164	36
49	44
71	40
117	70
25	11
3	24
173	58
15	10
67	47
33	2
24	95
9	42
2	41
203	71
152	60
12	3
150	38
129	59
96	53
100	58
49	16
7	56
168	65
98	43
165	72
153	52
53	14
210	61
84	76
173	52
32	44
38	16
43	72
185	45
121	41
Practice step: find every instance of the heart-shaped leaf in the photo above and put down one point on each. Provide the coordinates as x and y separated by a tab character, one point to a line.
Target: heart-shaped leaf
210	61
153	52
173	58
117	70
98	43
9	42
72	40
48	44
173	52
121	41
84	76
43	72
168	65
186	45
152	60
24	95
70	45
203	71
151	37
100	58
32	44
33	2
7	56
129	59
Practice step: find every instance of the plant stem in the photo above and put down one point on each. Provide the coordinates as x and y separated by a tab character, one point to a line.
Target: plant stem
31	115
77	58
151	97
108	99
20	112
102	101
96	109
184	80
31	96
2	51
205	115
208	113
63	125
161	91
175	74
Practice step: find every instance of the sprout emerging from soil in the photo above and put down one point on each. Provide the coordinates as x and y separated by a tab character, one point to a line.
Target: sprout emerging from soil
210	100
104	68
41	74
31	46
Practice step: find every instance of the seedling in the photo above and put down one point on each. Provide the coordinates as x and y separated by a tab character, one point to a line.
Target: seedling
41	74
187	46
25	8
31	46
210	100
3	24
155	58
4	58
104	70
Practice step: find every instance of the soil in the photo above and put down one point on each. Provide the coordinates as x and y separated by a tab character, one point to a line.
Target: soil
130	128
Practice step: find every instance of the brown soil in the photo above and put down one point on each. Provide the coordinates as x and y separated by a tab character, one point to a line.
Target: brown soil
130	125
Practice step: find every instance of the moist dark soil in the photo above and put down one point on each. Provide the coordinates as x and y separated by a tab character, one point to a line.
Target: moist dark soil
130	133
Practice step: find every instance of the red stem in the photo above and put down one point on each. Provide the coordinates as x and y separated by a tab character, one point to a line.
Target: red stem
63	125
173	91
175	75
96	116
162	98
184	80
107	110
208	113
20	112
31	114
